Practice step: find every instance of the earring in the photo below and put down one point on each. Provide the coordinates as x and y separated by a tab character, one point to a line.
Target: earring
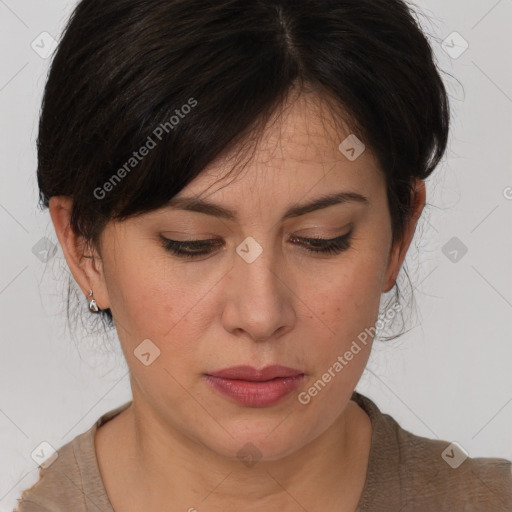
92	304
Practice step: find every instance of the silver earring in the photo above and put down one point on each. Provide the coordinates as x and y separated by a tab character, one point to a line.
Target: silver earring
92	304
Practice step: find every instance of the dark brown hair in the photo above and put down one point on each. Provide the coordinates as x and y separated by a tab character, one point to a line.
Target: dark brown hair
210	75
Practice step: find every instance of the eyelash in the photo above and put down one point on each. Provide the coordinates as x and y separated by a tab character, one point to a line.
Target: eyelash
330	246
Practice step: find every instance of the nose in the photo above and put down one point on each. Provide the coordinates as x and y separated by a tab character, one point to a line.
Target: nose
259	301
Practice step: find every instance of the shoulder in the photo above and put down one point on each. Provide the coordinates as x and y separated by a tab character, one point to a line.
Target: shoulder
441	472
419	474
58	486
70	479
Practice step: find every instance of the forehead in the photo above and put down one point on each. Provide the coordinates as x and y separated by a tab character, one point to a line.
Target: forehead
297	155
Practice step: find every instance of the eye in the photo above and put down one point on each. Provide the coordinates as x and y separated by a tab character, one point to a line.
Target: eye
195	248
190	248
327	246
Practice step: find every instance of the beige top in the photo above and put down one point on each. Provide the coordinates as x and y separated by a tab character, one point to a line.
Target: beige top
406	473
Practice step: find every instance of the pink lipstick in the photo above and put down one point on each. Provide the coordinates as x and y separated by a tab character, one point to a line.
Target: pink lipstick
251	387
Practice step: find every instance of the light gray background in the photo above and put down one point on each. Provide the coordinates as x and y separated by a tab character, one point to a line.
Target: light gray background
448	378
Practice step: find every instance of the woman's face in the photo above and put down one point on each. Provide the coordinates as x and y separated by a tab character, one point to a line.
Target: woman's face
264	301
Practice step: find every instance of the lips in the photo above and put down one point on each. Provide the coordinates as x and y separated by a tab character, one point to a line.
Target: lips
251	387
249	373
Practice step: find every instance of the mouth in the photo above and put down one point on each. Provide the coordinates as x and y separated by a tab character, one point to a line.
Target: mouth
251	387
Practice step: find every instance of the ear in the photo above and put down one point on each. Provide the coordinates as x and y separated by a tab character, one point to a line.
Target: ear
83	260
399	250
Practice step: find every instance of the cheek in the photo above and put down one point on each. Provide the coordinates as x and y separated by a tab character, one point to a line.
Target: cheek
346	306
346	309
347	300
152	297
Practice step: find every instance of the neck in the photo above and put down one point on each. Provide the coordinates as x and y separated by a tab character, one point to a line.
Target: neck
191	474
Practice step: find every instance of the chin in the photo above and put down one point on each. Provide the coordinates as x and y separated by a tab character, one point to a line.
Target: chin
268	441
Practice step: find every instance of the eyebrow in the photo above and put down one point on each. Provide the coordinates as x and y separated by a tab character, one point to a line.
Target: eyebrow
202	206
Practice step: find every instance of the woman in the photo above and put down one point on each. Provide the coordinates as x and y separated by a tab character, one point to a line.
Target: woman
246	308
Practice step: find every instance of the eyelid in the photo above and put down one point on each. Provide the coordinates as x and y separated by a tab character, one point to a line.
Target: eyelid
216	241
196	236
317	245
208	237
343	230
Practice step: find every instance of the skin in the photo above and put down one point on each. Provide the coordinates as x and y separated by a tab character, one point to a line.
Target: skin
176	447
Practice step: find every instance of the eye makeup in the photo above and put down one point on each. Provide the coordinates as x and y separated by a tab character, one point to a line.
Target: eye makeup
191	249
